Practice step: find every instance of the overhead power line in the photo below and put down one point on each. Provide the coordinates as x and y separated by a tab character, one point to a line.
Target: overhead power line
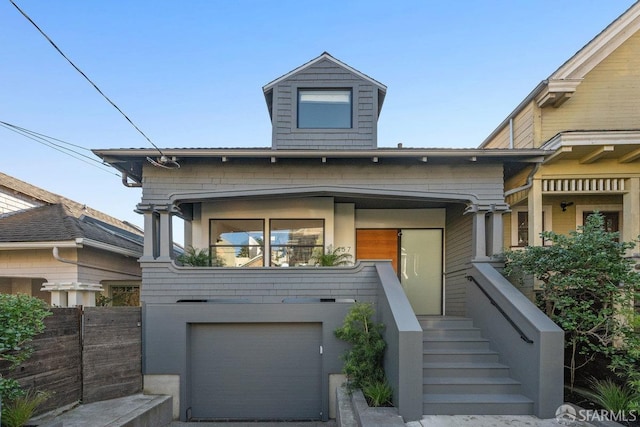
86	77
48	141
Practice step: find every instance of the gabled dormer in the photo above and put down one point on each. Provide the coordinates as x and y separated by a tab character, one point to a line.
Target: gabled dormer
324	105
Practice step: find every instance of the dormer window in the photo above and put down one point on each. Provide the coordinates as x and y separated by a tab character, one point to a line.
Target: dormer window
324	109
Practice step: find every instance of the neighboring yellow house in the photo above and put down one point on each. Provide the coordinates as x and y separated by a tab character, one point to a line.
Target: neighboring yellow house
587	115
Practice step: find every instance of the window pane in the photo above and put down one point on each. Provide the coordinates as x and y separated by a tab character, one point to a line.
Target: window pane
523	228
324	109
294	240
237	242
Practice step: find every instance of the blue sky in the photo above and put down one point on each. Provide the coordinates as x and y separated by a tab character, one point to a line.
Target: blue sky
190	73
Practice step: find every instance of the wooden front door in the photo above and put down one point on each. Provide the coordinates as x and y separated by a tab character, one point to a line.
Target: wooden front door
377	244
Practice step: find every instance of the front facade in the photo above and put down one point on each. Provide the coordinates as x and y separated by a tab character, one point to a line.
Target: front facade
255	329
587	115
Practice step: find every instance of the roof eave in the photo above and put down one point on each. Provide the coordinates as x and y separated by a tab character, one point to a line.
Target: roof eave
324	55
117	157
12	246
110	248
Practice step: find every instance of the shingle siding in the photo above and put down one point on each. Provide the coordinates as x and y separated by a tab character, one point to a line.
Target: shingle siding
164	284
483	182
458	255
324	74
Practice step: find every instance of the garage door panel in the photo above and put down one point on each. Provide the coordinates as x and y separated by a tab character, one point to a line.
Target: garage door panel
255	371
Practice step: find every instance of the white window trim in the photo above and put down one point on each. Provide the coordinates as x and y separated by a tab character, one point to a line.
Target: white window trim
548	224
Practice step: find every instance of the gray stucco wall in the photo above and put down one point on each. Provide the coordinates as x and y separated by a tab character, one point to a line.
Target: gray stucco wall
325	74
245	295
403	335
166	335
538	365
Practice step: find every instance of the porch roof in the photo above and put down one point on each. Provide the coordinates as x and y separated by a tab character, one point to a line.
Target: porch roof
590	146
129	161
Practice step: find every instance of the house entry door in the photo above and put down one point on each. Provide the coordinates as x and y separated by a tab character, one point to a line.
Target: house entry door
416	256
421	269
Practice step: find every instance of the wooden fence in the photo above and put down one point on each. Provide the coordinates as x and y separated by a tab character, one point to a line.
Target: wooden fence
84	355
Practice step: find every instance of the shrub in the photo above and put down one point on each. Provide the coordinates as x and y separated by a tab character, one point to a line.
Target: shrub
363	361
613	397
18	411
588	289
21	318
9	389
194	257
378	393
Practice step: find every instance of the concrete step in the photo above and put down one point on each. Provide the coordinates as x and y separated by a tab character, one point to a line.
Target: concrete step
130	411
440	322
453	332
476	404
470	385
454	343
460	355
468	369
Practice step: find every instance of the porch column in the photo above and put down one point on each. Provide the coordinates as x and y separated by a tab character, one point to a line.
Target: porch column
535	213
496	242
631	211
479	236
72	294
149	236
150	232
166	238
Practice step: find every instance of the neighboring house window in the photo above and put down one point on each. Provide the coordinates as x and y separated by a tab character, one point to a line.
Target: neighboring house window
611	220
125	296
236	242
523	228
324	108
294	240
520	225
612	215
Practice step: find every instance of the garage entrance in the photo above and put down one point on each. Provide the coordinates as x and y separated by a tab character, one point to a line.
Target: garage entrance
255	371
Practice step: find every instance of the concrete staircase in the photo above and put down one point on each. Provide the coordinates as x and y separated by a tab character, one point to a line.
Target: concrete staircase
462	375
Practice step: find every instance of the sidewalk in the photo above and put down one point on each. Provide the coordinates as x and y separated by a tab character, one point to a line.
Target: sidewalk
138	410
146	410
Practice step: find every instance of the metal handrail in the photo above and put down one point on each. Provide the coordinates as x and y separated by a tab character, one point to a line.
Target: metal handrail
524	337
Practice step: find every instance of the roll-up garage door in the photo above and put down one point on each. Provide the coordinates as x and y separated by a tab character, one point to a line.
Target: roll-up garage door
255	371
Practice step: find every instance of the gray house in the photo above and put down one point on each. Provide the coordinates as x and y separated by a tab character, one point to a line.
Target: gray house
252	337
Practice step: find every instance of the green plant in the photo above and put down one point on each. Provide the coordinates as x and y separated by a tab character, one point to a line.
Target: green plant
612	396
332	257
194	257
103	300
21	318
378	393
16	412
363	361
588	289
9	389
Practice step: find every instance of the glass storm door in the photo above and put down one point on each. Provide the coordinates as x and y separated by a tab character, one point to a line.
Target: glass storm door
421	269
